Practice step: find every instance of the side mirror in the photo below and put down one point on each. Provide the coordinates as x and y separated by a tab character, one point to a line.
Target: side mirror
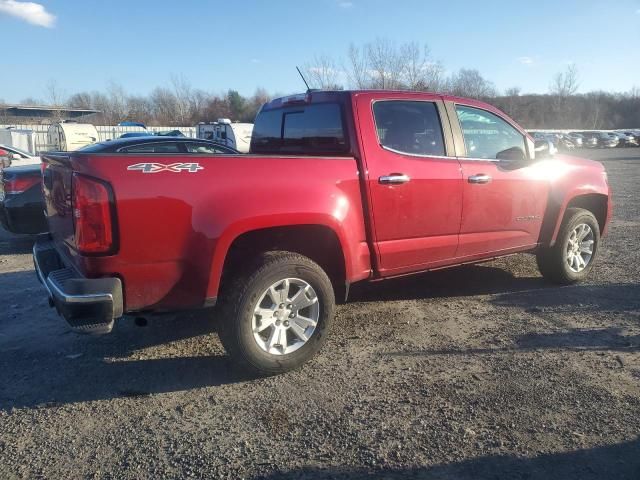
513	154
544	148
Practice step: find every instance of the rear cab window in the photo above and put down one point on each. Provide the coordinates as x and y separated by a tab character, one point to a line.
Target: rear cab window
306	129
409	127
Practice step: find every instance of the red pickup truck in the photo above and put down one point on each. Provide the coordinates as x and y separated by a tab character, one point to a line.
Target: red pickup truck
339	187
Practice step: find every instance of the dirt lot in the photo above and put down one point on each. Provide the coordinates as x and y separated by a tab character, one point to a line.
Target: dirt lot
472	373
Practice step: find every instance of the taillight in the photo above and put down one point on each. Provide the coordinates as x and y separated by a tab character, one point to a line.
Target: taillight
92	214
19	185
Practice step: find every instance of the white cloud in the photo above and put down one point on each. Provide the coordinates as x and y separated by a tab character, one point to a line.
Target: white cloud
30	12
256	60
525	60
345	4
638	11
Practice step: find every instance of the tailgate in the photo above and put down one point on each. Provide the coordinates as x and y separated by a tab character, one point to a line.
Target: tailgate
56	186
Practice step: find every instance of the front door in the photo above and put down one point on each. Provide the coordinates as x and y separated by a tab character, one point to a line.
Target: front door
414	181
505	194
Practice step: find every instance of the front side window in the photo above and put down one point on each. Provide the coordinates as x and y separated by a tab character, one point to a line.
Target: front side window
486	135
314	129
166	147
409	127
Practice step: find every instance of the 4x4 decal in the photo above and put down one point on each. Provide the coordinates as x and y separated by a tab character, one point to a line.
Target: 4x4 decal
161	167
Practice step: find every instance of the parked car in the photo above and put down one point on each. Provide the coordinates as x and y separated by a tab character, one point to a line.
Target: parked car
21	204
15	156
623	140
159	144
634	137
565	143
589	139
603	139
577	139
374	186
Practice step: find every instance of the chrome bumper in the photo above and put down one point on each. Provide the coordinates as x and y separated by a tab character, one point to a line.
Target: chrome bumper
89	305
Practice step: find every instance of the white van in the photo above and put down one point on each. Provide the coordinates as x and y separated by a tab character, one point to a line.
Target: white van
69	136
234	135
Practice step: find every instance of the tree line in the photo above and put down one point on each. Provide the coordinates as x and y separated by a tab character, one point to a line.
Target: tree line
379	64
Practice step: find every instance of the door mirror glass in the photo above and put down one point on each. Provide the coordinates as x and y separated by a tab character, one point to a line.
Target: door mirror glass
513	154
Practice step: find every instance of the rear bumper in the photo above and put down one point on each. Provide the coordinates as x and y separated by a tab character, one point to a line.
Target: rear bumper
89	305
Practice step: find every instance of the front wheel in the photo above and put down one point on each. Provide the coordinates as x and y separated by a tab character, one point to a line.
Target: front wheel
276	315
572	257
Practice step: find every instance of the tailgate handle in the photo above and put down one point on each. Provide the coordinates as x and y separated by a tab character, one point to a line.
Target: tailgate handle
394	179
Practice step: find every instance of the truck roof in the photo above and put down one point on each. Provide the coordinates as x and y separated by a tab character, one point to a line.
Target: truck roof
342	95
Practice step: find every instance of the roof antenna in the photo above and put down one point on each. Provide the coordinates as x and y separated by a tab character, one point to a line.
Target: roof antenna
303	79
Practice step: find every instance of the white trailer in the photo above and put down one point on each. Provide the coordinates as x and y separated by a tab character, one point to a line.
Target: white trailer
234	135
69	136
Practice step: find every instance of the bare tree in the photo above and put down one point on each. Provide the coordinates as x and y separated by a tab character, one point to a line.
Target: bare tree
55	95
512	95
323	73
565	84
183	94
386	64
420	71
357	68
164	106
80	100
117	102
470	83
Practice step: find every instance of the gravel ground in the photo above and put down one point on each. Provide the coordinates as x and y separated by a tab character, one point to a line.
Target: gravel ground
476	372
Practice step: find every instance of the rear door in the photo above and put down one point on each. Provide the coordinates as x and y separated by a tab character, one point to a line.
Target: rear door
504	194
413	180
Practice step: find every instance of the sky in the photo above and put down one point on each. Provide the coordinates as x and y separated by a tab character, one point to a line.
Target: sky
84	45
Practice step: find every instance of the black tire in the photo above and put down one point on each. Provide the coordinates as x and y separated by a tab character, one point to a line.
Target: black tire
241	296
551	261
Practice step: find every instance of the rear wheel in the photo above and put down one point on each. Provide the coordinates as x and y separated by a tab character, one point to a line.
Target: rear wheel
572	257
275	316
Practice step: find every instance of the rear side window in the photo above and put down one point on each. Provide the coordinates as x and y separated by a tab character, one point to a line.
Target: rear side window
205	148
167	147
409	127
315	129
486	134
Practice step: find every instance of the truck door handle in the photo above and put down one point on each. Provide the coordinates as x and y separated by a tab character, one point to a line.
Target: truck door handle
394	179
479	178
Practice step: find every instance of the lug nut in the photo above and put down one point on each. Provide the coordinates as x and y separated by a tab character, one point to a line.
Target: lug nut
292	315
281	305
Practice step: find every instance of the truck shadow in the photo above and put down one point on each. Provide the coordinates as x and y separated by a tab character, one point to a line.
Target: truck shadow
620	461
467	280
43	363
620	301
77	368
